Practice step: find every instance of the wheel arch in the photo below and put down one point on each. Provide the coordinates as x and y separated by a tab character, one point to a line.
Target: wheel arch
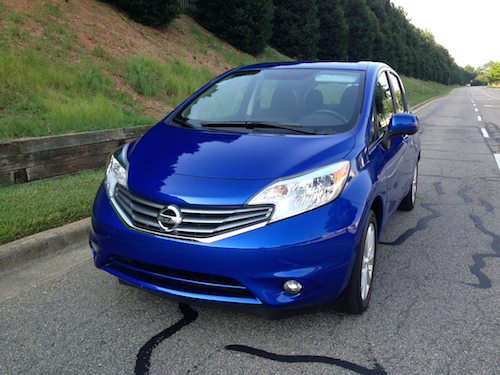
377	207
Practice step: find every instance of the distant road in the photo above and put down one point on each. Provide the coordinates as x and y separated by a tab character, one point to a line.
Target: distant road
486	102
434	309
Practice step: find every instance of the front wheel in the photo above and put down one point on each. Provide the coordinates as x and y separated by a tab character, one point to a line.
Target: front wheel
408	202
360	284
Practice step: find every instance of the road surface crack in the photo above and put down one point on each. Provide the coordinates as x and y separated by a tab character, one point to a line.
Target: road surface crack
484	281
378	370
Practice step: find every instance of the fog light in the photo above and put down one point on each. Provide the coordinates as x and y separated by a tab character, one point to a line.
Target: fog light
292	287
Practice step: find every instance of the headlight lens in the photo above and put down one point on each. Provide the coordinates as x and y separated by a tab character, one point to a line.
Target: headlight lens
116	170
294	195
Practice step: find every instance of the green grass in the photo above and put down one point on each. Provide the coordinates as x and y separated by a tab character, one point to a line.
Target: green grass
420	91
38	99
171	82
37	206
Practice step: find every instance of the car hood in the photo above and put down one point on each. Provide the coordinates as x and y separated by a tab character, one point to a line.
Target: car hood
213	154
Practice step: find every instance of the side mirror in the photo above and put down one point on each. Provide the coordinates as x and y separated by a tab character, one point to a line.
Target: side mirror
400	124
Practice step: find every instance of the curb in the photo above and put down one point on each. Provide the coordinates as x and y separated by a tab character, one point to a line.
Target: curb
43	243
424	104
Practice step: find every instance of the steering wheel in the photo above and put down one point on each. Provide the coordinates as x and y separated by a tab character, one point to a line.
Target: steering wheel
332	113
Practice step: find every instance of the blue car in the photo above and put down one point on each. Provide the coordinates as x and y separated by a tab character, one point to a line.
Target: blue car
266	191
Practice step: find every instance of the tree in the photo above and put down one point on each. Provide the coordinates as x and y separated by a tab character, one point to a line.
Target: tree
494	73
333	30
247	25
486	67
363	29
296	28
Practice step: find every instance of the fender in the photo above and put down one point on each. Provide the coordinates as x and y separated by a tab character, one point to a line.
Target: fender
360	190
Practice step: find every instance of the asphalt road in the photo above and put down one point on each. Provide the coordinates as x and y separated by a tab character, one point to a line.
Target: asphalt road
435	306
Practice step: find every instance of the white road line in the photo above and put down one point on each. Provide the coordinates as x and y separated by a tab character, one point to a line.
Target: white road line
497	158
492	106
485	133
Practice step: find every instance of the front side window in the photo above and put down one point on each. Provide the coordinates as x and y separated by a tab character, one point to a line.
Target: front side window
319	100
398	93
383	103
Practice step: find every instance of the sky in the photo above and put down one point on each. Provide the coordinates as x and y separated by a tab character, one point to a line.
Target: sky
469	30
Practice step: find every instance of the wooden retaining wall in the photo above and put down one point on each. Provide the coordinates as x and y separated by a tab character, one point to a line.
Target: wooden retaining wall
36	158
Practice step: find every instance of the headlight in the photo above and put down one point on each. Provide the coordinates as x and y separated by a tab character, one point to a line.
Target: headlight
297	194
116	170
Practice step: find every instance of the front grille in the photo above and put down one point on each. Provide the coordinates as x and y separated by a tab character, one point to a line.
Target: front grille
183	281
201	223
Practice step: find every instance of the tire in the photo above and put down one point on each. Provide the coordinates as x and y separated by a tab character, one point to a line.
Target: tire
359	289
408	202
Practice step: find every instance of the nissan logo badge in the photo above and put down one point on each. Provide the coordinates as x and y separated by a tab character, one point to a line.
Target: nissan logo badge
169	218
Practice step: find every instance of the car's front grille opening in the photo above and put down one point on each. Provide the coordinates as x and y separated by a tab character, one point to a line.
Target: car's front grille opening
185	281
198	222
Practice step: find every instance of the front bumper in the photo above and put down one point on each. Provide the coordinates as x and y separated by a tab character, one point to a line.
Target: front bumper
248	270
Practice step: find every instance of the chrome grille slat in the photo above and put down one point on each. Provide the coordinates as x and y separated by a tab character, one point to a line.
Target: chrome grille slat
145	220
227	211
145	210
123	205
141	200
241	223
199	223
194	219
221	219
195	229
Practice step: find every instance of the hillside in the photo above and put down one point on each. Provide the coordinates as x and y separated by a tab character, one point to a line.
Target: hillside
61	57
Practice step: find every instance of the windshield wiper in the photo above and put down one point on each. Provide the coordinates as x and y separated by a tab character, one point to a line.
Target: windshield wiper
258	124
183	122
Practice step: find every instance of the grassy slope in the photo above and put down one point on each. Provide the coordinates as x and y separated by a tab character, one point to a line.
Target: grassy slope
420	91
77	66
53	82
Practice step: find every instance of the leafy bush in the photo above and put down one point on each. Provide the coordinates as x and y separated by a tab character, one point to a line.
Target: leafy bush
296	28
242	23
158	13
333	29
494	73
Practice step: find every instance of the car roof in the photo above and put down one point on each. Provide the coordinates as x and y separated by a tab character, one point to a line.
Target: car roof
344	65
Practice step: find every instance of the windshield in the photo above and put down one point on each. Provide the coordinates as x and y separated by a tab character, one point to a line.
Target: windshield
280	100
